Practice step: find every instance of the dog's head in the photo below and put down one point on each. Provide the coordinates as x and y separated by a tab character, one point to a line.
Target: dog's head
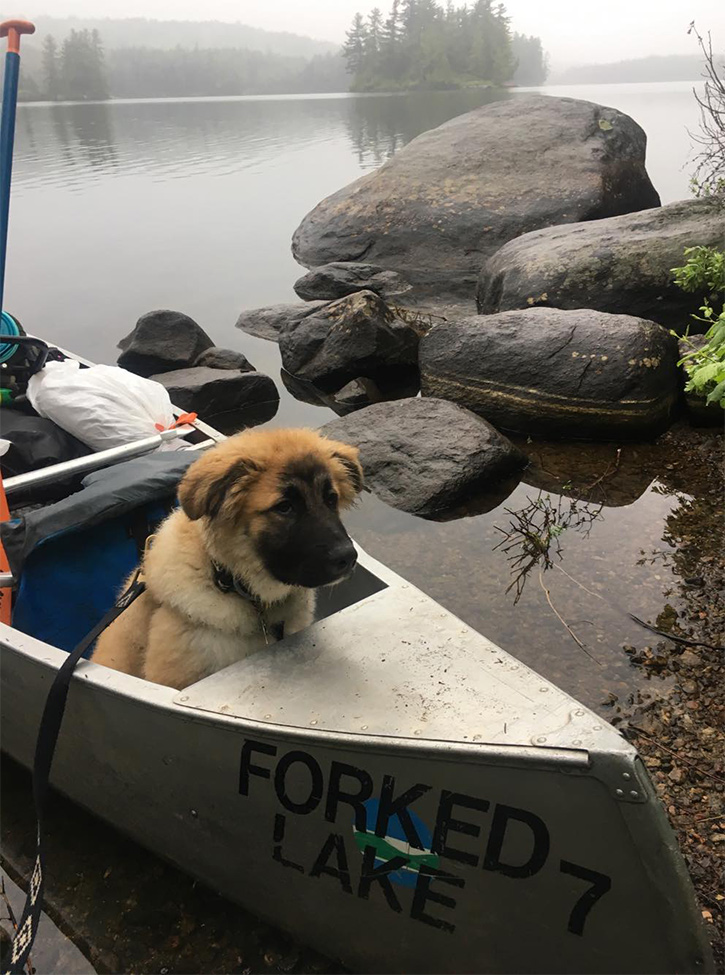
271	503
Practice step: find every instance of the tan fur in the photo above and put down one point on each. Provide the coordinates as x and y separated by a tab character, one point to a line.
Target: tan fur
183	628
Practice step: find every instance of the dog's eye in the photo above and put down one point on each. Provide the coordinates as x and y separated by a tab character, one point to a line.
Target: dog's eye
284	507
331	500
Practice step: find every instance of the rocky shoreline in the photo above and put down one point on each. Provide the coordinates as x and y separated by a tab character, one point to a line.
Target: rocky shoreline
515	267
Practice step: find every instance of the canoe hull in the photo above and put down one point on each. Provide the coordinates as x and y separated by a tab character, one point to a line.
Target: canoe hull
491	858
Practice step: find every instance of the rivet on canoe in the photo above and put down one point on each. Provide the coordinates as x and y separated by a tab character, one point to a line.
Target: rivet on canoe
194	813
543	690
626	775
634	794
619	792
579	714
314	721
184	698
541	740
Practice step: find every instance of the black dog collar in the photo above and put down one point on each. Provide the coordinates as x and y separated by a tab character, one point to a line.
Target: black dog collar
226	582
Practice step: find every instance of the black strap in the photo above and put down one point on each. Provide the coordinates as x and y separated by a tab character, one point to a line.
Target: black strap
44	750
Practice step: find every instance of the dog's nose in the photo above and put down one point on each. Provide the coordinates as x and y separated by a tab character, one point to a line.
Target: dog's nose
342	557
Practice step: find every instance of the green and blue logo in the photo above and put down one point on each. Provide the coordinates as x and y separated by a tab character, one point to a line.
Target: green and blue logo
395	844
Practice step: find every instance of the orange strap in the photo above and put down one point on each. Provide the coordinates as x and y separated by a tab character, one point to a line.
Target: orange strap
5	594
186	419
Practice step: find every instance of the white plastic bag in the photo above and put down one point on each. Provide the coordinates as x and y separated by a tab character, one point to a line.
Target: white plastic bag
103	406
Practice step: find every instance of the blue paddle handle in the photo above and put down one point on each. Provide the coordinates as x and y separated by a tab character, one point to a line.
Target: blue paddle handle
7	139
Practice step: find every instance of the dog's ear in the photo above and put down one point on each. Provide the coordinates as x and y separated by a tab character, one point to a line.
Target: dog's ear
212	479
348	471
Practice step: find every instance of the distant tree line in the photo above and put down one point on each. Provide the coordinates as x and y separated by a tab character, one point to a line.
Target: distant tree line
78	70
422	44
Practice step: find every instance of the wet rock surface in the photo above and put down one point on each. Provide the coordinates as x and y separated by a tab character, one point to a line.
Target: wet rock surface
447	201
210	392
358	336
621	265
162	341
425	455
582	374
266	322
342	278
216	358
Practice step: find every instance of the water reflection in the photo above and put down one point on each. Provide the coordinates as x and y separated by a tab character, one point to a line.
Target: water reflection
533	537
379	125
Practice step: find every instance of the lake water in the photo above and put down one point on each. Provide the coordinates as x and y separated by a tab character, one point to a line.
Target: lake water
124	207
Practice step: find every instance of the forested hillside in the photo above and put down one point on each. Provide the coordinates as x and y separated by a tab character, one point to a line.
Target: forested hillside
674	67
80	68
422	44
168	34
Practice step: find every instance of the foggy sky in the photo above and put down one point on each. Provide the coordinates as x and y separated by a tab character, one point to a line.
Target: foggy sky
572	31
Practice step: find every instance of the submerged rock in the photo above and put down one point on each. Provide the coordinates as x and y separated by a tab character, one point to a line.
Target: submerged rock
265	323
162	341
209	392
224	359
426	456
345	278
556	373
357	336
621	265
447	201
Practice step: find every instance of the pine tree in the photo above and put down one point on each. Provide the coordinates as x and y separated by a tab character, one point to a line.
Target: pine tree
354	47
82	67
51	69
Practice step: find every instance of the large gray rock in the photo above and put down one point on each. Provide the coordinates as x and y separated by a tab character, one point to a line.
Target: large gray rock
621	265
265	323
357	336
224	359
426	456
580	374
210	392
452	197
161	341
342	278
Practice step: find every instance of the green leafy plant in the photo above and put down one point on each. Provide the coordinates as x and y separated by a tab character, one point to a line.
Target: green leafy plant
704	271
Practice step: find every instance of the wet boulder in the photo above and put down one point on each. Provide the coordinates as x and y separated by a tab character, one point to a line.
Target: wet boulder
210	392
621	265
426	456
343	278
162	341
582	374
358	336
224	359
266	322
452	197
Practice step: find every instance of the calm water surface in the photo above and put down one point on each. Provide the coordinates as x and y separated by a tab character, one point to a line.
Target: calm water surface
124	207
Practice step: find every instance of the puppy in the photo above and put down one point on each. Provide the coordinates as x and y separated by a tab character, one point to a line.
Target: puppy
257	531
